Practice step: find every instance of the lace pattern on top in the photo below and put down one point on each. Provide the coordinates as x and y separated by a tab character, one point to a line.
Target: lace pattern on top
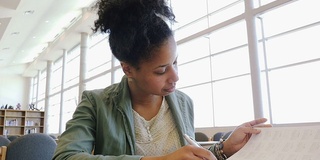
158	136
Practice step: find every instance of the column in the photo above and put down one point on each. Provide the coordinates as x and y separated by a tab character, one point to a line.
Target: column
64	62
37	94
47	94
84	46
254	60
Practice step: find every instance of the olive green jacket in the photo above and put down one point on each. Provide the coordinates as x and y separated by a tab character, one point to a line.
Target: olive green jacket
102	127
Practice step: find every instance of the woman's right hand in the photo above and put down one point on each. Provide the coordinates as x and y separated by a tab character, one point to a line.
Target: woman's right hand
187	152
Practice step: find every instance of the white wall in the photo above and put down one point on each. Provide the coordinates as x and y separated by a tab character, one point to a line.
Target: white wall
14	89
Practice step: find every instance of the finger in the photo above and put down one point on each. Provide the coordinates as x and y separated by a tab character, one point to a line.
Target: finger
200	158
203	158
204	154
208	158
257	121
250	130
263	125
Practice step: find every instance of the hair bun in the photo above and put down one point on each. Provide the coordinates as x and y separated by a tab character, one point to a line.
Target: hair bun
114	14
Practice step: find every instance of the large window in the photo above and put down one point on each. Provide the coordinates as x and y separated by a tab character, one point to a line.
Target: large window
55	97
99	63
57	74
41	90
54	114
72	67
99	57
217	45
287	46
70	102
226	83
289	40
33	90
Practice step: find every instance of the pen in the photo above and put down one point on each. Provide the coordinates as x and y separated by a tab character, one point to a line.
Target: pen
191	141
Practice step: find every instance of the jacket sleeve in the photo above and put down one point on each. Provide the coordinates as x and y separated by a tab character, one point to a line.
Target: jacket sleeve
77	142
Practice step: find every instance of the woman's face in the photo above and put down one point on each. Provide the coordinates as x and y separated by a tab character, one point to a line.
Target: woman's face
157	76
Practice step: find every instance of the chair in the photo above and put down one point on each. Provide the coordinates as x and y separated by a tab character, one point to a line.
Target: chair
4	141
12	137
226	135
3	152
35	146
199	136
217	136
221	135
53	136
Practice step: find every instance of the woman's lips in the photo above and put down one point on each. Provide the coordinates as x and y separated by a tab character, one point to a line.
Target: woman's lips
171	89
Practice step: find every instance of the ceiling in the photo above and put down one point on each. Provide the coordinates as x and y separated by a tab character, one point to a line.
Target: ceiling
35	31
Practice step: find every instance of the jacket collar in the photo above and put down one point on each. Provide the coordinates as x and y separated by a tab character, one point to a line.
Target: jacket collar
125	107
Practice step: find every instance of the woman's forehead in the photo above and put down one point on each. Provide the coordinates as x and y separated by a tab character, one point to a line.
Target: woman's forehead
165	54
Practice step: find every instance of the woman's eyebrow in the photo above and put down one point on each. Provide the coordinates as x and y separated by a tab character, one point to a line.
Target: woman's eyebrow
165	65
162	66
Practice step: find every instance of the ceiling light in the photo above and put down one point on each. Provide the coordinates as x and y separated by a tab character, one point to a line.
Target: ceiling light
56	35
29	12
15	33
73	19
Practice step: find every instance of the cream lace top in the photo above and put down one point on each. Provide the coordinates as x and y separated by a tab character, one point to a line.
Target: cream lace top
158	136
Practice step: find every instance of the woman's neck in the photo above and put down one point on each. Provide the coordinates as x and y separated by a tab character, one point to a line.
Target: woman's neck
147	107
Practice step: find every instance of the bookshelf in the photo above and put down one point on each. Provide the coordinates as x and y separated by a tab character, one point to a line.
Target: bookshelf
21	122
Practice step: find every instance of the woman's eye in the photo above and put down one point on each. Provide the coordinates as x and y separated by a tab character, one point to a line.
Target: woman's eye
161	72
175	62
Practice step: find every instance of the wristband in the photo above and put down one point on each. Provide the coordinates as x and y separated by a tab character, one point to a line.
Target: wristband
217	150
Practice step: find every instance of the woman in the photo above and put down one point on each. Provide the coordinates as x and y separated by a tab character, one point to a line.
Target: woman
142	117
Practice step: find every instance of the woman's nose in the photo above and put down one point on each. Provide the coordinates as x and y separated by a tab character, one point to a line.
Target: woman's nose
174	77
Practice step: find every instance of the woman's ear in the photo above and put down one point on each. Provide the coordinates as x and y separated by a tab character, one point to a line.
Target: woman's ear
126	68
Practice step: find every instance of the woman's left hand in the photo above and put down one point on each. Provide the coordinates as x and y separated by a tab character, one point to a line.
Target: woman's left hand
240	136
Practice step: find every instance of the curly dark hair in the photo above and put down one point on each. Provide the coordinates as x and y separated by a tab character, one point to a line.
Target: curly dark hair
136	28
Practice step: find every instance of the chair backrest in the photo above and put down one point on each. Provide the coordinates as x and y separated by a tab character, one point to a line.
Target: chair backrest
221	135
35	146
217	136
226	135
13	137
199	136
4	141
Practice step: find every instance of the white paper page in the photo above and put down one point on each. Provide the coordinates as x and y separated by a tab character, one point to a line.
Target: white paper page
282	143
